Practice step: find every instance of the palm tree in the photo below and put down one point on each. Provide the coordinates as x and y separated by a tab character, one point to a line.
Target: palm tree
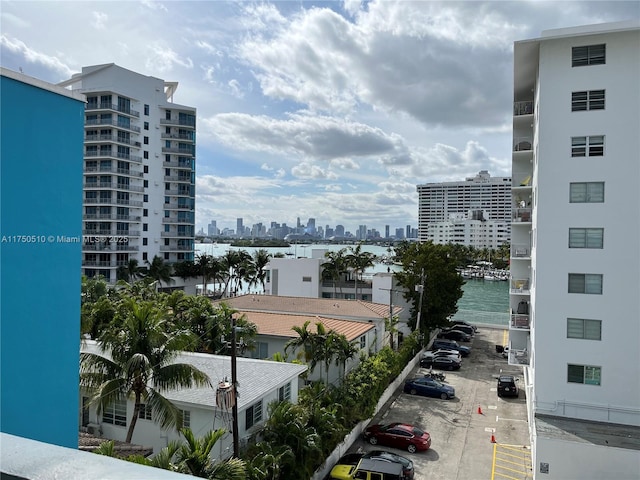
345	351
334	268
260	261
206	265
195	453
304	340
159	271
139	349
359	261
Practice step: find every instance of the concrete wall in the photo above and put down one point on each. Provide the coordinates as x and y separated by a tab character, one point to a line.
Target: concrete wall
40	254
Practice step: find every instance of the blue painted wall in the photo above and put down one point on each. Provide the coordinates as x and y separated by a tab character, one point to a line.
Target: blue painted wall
40	202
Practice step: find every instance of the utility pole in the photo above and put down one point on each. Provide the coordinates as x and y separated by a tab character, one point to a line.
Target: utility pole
234	383
391	292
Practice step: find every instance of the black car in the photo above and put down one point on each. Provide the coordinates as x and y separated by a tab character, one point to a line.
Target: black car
441	363
451	345
458	323
455	335
463	328
508	386
383	455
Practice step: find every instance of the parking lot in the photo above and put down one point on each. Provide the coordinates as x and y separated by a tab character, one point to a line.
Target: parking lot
462	428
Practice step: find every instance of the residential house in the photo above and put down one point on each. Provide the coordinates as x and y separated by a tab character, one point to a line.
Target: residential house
260	382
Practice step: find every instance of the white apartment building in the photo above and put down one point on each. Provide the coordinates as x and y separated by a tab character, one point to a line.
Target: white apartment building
472	230
438	202
575	253
139	170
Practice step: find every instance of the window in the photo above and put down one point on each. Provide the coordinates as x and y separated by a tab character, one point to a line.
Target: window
116	413
146	109
586	192
595	146
146	125
284	393
261	350
145	241
145	411
586	237
145	140
583	374
588	55
186	418
145	183
145	227
145	198
590	283
363	341
587	100
253	415
306	279
145	154
166	256
584	329
144	256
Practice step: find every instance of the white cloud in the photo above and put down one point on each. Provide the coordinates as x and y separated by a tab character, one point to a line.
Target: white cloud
100	20
32	56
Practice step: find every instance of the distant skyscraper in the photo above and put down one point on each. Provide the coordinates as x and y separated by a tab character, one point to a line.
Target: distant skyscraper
437	202
408	231
386	231
239	227
212	229
339	230
139	170
399	233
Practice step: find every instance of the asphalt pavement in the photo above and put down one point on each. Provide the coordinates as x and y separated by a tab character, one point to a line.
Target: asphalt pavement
462	429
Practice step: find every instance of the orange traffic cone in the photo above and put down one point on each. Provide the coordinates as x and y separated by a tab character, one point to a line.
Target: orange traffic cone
493	439
479	410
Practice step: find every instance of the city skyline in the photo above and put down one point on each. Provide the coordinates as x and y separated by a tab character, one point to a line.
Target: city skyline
331	110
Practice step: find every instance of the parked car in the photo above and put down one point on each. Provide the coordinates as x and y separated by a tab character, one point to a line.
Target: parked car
450	344
442	363
456	323
508	386
463	328
369	469
429	387
442	352
407	465
455	335
398	435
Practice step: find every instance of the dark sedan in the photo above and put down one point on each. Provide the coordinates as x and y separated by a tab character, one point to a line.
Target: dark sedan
456	335
429	387
398	435
442	363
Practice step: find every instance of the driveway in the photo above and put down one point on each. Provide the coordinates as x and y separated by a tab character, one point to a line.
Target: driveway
461	436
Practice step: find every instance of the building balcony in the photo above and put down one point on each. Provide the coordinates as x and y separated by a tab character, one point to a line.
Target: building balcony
177	220
179	151
111	216
178	136
114	123
112	154
178	193
177	234
520	251
177	206
522	144
521	215
186	165
177	178
111	106
522	108
519	286
176	248
521	180
114	169
104	264
111	138
112	186
109	247
176	121
362	284
519	322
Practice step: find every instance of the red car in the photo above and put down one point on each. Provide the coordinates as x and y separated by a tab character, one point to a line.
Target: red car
398	435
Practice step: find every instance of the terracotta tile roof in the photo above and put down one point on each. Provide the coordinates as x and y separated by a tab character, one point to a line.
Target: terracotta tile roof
326	307
281	325
88	443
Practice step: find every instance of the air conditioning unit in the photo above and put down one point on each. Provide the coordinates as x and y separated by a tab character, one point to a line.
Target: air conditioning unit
94	429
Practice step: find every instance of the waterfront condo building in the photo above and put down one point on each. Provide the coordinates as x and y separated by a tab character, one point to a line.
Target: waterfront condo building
575	255
139	170
442	206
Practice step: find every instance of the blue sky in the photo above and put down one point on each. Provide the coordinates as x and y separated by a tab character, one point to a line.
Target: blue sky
330	110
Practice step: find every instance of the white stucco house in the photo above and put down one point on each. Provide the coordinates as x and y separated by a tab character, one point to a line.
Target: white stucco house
276	329
260	382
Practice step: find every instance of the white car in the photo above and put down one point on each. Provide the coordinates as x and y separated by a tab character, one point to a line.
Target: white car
442	352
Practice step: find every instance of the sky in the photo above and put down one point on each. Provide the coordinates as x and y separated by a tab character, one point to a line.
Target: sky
327	110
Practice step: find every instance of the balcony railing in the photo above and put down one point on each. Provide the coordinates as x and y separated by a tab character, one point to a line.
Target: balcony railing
522	144
522	108
180	193
115	123
111	106
177	220
111	153
178	151
176	234
519	285
111	216
177	206
521	215
111	138
520	322
178	136
172	248
176	121
113	169
348	284
177	178
518	356
177	164
114	186
109	247
520	251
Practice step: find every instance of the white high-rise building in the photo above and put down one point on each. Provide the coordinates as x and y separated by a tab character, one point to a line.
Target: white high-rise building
139	170
437	202
472	230
575	253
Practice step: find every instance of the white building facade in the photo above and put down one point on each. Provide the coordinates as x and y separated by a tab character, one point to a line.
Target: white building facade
472	230
438	202
575	255
139	170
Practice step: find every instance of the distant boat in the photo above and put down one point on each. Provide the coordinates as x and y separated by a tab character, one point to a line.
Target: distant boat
490	277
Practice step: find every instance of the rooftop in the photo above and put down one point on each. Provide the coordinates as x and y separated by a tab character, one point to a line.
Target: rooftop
326	307
255	377
281	324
